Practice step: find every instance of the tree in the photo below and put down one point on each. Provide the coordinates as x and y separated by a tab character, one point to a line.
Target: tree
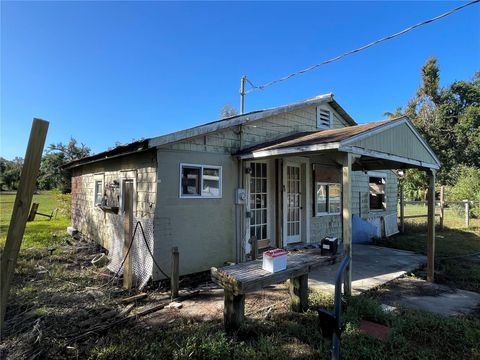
228	111
52	174
10	171
449	119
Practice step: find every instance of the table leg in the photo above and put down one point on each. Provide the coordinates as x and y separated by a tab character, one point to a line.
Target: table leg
234	311
298	287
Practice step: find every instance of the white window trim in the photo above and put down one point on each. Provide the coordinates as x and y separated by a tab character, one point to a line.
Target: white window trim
97	178
320	214
320	126
201	166
380	175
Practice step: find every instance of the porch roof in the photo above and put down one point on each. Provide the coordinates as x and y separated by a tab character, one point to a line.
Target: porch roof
387	144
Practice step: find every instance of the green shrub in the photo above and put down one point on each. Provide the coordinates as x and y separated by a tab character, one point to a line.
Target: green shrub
467	187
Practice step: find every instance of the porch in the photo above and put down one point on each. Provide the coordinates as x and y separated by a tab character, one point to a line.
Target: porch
304	187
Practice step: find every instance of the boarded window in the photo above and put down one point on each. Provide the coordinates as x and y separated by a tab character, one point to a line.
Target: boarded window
324	118
200	181
376	186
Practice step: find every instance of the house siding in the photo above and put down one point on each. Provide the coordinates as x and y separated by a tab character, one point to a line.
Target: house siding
399	140
331	225
92	221
203	229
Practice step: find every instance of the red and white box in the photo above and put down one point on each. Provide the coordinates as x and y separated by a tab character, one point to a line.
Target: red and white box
274	260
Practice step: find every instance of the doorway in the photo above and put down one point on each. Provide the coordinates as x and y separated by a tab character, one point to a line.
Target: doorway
292	203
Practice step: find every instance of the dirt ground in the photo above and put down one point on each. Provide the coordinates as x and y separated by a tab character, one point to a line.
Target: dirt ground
59	299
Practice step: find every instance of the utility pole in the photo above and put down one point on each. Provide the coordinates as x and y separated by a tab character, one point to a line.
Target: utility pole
242	94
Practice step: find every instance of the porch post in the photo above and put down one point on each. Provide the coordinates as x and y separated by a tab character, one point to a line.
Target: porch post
431	226
347	220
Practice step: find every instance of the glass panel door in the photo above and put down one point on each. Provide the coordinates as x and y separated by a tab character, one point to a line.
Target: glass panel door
293	204
258	201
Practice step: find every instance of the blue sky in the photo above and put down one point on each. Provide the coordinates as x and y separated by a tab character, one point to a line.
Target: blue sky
104	72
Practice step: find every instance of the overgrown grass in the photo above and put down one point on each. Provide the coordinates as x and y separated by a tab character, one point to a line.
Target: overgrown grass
414	335
54	299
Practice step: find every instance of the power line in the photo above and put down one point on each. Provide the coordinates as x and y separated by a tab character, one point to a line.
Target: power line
404	31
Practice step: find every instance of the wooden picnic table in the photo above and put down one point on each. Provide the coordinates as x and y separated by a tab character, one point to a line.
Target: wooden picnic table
240	279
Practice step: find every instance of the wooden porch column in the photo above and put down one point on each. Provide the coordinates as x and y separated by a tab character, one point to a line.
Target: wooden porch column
347	220
431	226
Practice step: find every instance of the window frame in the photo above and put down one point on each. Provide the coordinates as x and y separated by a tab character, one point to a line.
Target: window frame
98	179
120	202
318	111
201	195
384	202
327	213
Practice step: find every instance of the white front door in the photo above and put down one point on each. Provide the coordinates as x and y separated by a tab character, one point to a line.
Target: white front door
292	200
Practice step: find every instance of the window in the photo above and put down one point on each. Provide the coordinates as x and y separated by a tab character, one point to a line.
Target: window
258	201
324	118
99	193
200	181
328	198
376	185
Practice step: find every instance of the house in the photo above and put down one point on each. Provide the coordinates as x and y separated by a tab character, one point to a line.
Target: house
286	175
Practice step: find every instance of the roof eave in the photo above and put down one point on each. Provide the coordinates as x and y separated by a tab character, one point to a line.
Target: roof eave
119	151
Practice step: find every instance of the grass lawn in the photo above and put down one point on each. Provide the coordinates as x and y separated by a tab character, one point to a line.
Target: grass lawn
455	241
40	233
46	308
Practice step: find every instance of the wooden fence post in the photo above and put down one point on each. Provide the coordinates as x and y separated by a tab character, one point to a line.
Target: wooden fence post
175	276
21	208
127	233
442	206
431	227
467	213
402	210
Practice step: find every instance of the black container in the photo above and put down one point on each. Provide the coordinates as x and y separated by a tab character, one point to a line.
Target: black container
329	246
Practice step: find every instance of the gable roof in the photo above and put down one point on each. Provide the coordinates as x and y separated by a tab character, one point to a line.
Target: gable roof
313	138
360	139
212	127
249	117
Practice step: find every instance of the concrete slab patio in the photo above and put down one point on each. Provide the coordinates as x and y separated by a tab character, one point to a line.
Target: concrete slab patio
372	266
